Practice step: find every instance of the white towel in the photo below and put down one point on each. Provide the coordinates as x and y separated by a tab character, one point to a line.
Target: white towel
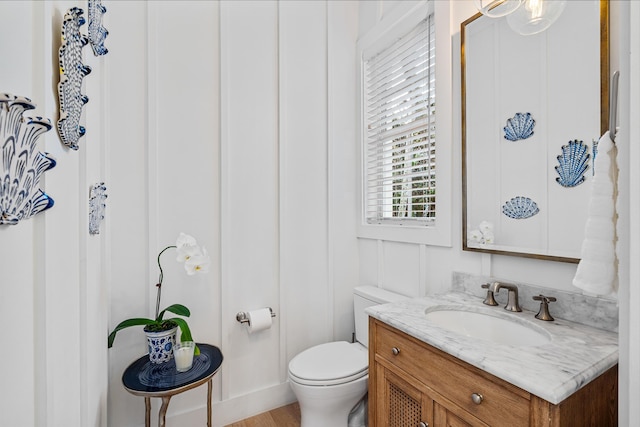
597	269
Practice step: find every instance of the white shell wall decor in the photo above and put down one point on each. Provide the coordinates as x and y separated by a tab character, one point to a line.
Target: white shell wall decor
97	33
520	207
22	165
519	127
97	205
72	71
573	163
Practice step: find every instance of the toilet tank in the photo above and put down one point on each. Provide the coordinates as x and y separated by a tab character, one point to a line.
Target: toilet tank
366	296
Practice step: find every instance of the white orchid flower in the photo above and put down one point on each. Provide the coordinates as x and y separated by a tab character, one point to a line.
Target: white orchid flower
185	253
486	227
489	237
475	236
185	240
199	263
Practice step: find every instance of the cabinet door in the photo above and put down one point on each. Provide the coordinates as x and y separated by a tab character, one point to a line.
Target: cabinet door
445	418
399	403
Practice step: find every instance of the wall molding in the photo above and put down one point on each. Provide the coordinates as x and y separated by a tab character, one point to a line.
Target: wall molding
235	409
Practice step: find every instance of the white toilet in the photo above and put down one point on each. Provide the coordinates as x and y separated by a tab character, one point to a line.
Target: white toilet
330	379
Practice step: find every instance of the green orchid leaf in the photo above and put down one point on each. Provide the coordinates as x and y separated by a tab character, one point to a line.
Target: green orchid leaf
178	309
139	321
185	332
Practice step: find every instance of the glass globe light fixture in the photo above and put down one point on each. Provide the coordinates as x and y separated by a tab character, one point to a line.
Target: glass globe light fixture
535	16
497	8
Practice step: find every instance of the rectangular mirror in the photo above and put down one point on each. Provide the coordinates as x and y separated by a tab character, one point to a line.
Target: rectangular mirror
532	108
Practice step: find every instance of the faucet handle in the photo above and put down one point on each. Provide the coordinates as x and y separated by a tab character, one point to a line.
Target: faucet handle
489	300
543	313
544	299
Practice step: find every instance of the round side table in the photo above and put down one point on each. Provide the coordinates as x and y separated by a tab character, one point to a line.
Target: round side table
143	378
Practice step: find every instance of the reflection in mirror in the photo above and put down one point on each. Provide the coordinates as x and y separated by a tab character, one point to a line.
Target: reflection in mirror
532	108
535	16
497	8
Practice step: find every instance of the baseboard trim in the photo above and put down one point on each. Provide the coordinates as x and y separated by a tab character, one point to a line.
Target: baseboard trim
237	408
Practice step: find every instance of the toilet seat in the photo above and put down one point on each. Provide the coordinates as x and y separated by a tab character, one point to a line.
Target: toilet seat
330	364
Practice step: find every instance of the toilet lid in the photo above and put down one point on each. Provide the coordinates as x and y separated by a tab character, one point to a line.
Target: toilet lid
330	363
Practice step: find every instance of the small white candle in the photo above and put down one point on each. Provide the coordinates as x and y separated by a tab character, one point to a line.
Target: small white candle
184	358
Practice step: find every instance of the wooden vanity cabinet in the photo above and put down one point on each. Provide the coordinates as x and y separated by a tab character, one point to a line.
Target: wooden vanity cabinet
412	384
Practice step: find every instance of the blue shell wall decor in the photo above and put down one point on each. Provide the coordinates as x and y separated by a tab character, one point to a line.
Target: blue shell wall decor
573	163
72	71
97	33
520	207
519	127
22	165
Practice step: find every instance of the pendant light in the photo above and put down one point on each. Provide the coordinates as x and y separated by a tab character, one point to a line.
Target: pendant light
497	8
535	16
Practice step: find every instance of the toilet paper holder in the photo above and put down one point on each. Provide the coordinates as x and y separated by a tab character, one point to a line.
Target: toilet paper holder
243	316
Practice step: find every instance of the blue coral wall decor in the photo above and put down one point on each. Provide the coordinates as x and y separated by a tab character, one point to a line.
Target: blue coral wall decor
72	71
97	205
22	165
97	33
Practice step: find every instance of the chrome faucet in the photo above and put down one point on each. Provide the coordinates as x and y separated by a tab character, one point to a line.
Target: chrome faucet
512	299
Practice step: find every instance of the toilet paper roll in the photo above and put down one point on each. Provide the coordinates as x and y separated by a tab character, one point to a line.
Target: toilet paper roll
259	320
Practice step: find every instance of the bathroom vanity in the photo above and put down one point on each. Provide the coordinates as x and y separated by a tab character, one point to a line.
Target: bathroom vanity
422	374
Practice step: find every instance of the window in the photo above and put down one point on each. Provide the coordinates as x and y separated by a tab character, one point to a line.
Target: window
405	193
400	133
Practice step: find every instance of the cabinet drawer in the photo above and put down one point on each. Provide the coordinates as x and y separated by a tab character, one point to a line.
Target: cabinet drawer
502	404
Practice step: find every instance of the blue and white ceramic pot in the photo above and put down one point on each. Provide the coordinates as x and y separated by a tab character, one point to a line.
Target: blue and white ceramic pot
161	345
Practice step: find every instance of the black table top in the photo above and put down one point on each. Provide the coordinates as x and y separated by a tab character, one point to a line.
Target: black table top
145	378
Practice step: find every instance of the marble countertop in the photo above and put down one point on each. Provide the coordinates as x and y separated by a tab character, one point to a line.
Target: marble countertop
575	355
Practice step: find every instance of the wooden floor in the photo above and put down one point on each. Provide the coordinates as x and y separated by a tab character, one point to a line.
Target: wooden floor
286	416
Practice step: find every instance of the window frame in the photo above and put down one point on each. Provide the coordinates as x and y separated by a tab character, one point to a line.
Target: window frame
393	25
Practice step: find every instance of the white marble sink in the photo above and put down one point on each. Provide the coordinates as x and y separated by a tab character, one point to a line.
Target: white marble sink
574	355
487	326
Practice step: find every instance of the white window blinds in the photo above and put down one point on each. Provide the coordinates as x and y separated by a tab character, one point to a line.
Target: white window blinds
400	137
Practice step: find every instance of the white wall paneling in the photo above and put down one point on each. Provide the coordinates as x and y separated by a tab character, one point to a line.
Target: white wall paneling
130	285
628	14
21	276
401	266
93	295
303	174
243	119
342	157
183	145
250	245
275	132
